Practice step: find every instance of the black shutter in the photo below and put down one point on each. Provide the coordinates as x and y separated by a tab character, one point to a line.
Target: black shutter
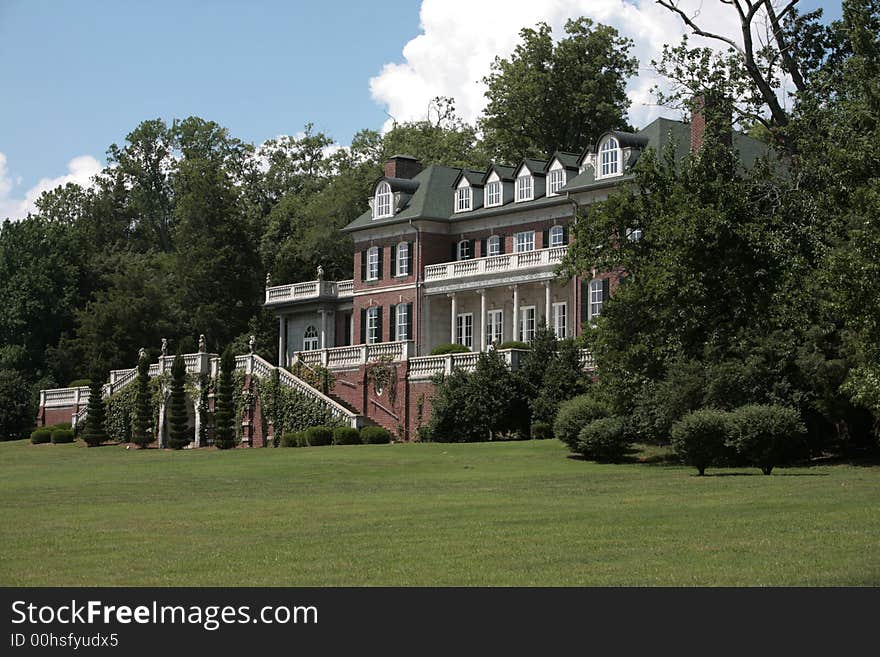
473	249
546	239
454	255
483	247
393	260
565	234
381	259
585	300
409	258
605	289
379	323
409	319
501	239
363	326
363	265
392	323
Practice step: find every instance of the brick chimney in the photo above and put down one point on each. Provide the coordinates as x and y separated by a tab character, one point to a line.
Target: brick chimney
698	121
704	111
402	166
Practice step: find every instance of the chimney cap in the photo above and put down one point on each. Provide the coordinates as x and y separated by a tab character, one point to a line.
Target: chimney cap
400	156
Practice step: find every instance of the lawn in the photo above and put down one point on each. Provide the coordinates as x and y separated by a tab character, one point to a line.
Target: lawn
519	513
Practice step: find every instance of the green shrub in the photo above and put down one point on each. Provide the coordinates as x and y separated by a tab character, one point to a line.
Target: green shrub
542	430
514	344
41	436
574	415
290	439
700	438
62	436
346	436
375	435
449	348
317	436
603	439
767	435
79	383
60	425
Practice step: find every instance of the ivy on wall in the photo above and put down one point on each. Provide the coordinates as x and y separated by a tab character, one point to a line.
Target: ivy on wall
291	410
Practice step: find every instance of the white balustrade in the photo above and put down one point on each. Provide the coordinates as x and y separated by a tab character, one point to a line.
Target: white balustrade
309	290
494	264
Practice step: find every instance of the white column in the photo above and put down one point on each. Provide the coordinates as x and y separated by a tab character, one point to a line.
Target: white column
282	342
198	418
424	325
547	306
454	313
515	333
482	320
323	328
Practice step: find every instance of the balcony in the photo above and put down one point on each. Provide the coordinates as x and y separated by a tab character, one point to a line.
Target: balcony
308	291
354	355
510	263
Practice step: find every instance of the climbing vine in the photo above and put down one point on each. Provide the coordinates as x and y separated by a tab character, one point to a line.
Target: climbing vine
383	376
291	410
317	376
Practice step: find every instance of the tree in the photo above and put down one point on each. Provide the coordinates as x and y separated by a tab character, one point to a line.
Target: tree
179	434
143	411
224	411
549	97
96	431
563	379
16	409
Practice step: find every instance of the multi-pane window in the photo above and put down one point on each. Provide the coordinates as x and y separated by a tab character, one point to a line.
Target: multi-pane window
373	263
402	259
493	193
527	323
557	236
382	202
462	199
524	241
402	322
373	325
464	250
493	246
560	320
524	188
634	234
495	327
609	157
464	330
310	339
557	180
597	297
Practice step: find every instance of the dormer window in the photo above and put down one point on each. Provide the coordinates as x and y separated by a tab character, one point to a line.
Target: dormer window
493	193
463	199
382	206
525	187
557	181
609	158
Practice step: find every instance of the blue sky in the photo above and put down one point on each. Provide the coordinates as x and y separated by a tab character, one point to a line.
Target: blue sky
77	76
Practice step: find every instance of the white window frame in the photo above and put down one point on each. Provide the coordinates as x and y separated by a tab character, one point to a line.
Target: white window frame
383	204
463	199
311	339
594	309
373	336
373	263
495	326
494	194
633	234
493	245
459	251
559	312
556	181
464	329
527	325
402	262
524	241
525	187
609	158
557	236
401	322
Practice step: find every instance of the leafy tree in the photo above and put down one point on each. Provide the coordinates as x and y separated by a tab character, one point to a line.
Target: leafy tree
561	96
224	411
564	379
96	431
143	413
16	410
179	434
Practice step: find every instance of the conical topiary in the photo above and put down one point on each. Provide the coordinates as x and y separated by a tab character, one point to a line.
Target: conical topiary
96	430
179	434
224	412
143	410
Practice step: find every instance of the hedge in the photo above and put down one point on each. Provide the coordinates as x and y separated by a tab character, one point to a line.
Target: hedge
514	344
346	436
41	436
60	436
449	348
317	436
542	430
375	435
290	439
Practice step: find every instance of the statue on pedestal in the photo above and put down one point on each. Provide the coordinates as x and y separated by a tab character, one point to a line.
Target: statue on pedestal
251	343
164	346
203	344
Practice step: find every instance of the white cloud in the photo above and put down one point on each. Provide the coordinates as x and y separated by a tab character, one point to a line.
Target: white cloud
460	39
80	170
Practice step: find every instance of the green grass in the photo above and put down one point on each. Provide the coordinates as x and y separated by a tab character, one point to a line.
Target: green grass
424	514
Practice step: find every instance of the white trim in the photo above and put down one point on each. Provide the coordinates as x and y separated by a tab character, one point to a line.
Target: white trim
522	189
458	254
311	342
561	170
556	315
383	198
488	188
492	239
379	290
613	165
461	324
398	259
523	310
516	241
464	198
595	299
555	230
398	324
492	336
373	251
373	316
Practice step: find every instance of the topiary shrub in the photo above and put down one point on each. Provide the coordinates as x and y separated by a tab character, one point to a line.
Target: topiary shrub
346	436
603	439
574	415
375	435
449	348
41	436
700	438
514	344
60	436
767	435
542	430
290	439
317	436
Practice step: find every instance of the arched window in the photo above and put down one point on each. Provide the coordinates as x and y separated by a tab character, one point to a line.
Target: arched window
493	246
464	250
310	339
382	203
557	236
609	158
